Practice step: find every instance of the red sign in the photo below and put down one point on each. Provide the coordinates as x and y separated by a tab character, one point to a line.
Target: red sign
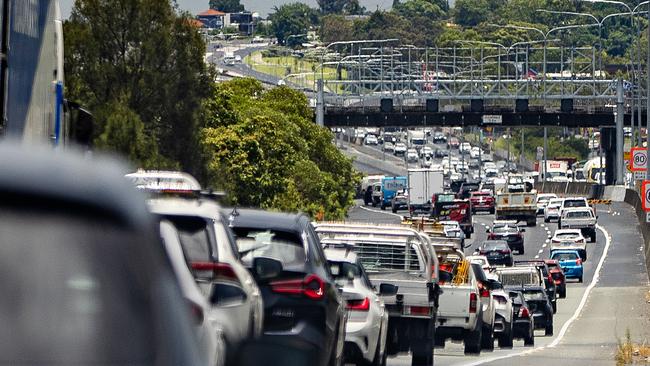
645	195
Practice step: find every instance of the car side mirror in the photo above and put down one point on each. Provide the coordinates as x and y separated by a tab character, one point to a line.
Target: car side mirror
387	289
266	268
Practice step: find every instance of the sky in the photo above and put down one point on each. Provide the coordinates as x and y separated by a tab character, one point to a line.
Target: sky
261	6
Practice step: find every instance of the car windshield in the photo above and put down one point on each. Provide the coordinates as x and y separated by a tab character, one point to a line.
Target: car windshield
279	245
567	235
565	256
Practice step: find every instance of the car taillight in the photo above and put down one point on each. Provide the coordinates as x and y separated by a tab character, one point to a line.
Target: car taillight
473	300
311	286
578	261
220	271
417	310
492	236
523	312
359	305
484	291
505	251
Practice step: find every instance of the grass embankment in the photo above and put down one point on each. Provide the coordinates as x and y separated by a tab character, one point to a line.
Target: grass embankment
293	69
630	353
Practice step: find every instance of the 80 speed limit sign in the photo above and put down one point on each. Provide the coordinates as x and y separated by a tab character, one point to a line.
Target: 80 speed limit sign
638	159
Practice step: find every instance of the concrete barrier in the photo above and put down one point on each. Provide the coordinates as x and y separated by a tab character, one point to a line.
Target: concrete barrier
589	190
632	197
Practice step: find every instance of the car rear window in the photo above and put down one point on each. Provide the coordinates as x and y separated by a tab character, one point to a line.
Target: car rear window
72	292
286	247
575	203
494	245
504	229
578	215
534	295
194	233
566	235
565	256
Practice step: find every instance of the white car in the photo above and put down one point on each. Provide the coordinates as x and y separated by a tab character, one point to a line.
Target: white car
569	239
400	149
412	155
475	152
426	162
490	165
552	209
389	147
367	326
209	333
465	148
503	325
371	140
542	200
426	151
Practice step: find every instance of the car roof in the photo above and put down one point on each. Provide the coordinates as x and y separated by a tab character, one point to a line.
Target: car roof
178	206
261	219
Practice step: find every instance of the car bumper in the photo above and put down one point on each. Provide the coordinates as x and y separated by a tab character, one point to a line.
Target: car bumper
500	260
572	272
482	207
361	339
541	320
521	328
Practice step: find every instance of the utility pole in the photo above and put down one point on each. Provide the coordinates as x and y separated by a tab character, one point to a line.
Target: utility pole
620	114
320	103
545	153
521	153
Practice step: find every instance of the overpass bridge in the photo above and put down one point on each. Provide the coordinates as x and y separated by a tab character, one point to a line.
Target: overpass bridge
384	84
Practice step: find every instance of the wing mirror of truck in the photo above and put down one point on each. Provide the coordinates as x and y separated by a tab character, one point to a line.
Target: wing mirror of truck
387	289
266	268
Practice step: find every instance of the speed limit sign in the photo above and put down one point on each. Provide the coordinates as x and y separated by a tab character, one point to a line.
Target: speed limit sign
645	190
638	159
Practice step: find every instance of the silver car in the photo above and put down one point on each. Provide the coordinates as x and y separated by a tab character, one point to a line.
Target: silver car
210	251
209	334
367	326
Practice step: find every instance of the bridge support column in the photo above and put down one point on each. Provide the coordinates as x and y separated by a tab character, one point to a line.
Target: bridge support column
320	103
620	115
608	146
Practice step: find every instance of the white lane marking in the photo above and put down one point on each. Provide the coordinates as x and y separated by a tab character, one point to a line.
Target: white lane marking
548	240
569	321
541	251
537	256
543	225
381	212
544	245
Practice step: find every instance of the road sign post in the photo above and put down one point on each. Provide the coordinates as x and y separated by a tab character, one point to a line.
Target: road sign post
645	195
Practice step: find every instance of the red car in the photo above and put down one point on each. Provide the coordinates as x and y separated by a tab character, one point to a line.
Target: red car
482	201
454	143
558	276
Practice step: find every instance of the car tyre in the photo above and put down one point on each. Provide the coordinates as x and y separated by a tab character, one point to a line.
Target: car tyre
593	237
521	251
487	339
547	220
532	222
439	342
549	330
394	210
379	359
492	211
383	207
554	305
529	341
580	279
505	340
473	340
422	349
562	294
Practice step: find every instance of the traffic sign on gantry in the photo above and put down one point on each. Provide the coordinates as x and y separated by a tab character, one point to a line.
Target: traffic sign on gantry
638	159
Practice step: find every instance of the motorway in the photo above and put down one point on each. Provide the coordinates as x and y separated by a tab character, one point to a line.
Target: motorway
595	315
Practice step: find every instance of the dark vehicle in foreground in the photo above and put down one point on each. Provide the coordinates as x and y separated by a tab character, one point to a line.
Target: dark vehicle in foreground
85	277
301	300
545	274
540	306
522	319
497	252
446	207
558	276
510	232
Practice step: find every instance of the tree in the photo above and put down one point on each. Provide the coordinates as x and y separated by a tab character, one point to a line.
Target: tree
227	6
425	8
470	13
272	155
292	19
153	66
335	27
340	7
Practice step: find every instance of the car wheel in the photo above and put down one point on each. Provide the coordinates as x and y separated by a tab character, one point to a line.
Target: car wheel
580	279
593	237
378	360
549	330
547	220
521	251
394	210
383	207
554	304
505	340
473	340
532	222
487	339
529	341
334	360
422	348
491	211
439	342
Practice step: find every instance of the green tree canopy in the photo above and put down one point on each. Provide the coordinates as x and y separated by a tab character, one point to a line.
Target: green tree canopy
153	66
272	155
292	19
469	13
227	6
339	6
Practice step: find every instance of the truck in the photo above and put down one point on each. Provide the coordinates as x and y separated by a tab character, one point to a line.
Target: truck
517	206
593	171
556	171
446	207
417	138
405	260
422	184
460	314
366	186
389	188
